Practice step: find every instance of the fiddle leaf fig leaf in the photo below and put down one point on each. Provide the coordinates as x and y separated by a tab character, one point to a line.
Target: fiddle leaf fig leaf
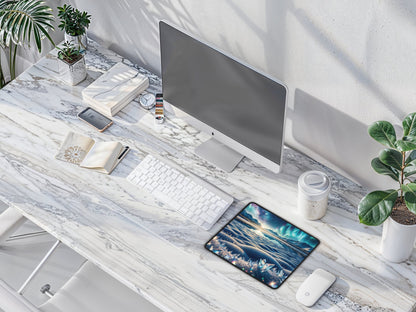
381	168
411	163
408	143
409	170
376	207
411	157
410	196
383	132
391	158
409	125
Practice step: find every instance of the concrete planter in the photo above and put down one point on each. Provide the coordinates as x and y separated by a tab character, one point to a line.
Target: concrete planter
78	41
397	241
72	73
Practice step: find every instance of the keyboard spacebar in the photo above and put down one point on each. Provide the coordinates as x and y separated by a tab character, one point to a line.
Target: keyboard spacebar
178	207
166	199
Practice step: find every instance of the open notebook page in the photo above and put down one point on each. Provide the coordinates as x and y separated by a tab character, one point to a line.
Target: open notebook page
102	156
74	148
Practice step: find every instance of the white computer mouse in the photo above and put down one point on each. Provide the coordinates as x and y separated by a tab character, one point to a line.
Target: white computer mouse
314	287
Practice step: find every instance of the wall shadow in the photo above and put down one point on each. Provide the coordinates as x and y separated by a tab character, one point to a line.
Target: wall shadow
332	45
130	28
346	140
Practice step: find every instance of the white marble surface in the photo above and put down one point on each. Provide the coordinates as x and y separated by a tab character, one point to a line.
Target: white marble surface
150	247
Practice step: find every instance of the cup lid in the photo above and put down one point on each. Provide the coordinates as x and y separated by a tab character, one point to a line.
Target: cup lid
314	183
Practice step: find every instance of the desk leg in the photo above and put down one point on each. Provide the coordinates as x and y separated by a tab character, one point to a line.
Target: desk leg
40	265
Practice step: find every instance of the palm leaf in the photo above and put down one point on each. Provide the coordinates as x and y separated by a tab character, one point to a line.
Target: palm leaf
25	21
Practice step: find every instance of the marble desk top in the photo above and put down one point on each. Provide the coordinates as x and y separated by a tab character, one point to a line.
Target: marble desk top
150	247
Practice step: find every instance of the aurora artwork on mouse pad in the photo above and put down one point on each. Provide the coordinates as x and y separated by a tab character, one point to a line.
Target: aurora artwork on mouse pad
262	245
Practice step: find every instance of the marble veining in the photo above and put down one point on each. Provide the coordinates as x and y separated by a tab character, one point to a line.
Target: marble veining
146	244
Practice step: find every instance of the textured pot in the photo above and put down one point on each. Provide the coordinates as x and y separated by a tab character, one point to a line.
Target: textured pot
78	41
397	241
72	73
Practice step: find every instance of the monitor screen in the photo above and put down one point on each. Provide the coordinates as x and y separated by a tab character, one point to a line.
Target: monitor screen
223	93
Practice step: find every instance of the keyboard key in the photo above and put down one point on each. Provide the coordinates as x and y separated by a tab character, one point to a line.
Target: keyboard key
191	196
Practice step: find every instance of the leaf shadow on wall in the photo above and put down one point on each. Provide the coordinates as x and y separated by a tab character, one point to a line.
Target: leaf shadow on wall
332	43
337	137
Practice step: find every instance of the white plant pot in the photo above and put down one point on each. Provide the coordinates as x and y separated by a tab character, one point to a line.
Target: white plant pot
78	41
72	73
397	241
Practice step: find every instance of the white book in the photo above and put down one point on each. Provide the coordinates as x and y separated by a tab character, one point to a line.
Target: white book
112	91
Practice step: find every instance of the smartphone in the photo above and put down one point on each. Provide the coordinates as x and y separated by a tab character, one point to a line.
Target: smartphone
95	119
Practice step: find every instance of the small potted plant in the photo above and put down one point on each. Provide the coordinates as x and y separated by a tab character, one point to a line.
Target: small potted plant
395	207
75	24
72	67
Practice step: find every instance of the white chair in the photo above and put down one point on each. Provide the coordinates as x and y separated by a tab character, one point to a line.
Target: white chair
88	290
93	290
10	300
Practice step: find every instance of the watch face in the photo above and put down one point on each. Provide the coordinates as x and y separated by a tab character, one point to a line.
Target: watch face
147	100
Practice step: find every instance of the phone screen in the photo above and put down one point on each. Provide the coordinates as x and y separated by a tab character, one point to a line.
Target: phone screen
95	119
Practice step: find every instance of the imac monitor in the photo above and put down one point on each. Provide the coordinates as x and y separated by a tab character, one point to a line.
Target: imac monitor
242	109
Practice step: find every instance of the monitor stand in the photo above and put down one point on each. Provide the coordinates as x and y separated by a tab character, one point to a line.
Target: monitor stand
219	154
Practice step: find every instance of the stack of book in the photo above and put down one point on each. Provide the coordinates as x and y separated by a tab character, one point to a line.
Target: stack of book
112	91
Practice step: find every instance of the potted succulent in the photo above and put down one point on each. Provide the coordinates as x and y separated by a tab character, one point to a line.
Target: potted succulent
72	67
395	207
75	24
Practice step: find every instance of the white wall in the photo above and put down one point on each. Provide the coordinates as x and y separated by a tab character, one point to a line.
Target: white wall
346	63
27	55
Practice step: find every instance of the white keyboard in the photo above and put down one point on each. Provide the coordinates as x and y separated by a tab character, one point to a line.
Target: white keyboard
199	201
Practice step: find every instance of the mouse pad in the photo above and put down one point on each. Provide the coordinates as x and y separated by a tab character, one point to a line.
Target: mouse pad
262	245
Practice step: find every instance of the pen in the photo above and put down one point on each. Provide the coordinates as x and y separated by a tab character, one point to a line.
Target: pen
120	157
124	152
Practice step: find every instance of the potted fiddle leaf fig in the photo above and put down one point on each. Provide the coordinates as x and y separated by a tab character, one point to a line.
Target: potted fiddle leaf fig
396	208
72	69
75	24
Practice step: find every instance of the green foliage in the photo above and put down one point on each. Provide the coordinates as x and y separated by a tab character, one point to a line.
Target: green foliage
383	132
376	207
398	162
381	168
411	157
73	21
409	125
410	196
406	144
23	22
391	158
69	53
408	171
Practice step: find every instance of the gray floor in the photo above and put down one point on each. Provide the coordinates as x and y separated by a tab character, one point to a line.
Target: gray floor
19	257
